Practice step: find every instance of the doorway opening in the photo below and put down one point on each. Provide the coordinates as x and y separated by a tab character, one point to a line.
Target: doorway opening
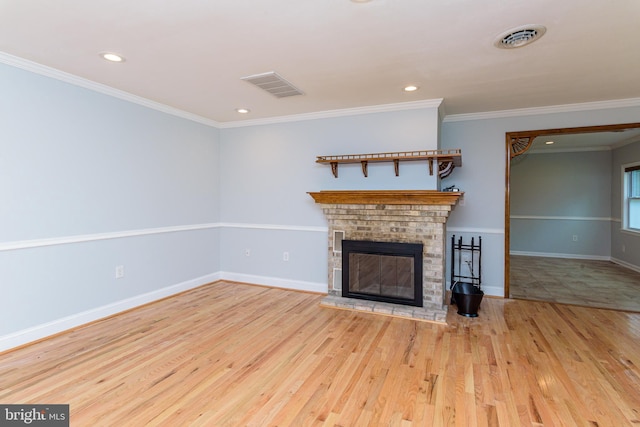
519	143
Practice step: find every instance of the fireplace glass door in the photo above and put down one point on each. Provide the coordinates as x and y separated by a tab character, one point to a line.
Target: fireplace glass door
382	271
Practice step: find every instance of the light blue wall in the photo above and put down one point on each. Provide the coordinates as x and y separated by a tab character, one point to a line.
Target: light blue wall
480	213
570	184
556	196
267	171
482	176
119	181
620	239
178	203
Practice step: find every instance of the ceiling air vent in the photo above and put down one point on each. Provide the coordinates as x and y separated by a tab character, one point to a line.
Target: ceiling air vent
274	84
521	36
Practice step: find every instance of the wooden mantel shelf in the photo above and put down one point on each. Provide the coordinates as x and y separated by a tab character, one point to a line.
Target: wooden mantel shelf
446	160
386	197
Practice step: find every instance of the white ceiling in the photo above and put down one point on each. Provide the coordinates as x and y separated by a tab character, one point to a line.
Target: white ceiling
191	54
586	141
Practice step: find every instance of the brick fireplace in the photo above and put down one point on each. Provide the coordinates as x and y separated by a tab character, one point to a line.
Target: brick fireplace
411	216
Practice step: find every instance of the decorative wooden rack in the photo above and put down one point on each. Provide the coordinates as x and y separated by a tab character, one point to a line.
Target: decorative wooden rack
447	160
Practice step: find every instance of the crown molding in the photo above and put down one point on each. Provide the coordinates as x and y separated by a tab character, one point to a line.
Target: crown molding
552	109
569	150
46	71
126	96
625	142
383	108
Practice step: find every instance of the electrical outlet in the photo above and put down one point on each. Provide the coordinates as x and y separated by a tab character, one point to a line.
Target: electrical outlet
247	252
575	237
119	271
624	248
285	256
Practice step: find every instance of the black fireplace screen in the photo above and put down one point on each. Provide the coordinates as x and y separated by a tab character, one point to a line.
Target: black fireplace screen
382	271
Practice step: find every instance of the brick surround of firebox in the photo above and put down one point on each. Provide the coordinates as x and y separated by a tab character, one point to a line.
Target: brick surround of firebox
416	216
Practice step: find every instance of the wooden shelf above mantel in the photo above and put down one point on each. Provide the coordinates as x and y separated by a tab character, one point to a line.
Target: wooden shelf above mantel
446	160
386	197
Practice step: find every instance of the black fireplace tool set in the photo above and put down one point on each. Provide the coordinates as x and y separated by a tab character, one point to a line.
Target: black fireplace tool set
466	290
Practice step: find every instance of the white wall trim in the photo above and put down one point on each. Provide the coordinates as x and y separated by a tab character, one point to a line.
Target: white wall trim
275	227
475	230
44	330
429	103
626	264
552	109
326	229
43	70
65	240
572	256
492	290
275	282
563	218
495	291
630	232
557	255
37	243
83	238
383	108
569	150
126	96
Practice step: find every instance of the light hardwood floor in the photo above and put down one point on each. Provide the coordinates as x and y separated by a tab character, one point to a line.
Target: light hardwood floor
229	354
589	283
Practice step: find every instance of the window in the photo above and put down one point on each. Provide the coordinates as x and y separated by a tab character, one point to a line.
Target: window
632	197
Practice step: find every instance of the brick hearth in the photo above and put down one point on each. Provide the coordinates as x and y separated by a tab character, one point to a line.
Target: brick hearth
416	216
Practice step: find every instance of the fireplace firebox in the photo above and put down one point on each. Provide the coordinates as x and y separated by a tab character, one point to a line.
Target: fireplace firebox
382	271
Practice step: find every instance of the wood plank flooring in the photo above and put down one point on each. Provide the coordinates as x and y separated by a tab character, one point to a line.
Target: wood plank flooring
589	283
229	354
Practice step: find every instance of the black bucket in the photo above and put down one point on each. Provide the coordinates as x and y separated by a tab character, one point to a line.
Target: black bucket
467	297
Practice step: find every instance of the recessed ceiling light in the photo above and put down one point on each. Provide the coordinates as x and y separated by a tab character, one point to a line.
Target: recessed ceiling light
549	142
519	36
242	110
410	88
113	57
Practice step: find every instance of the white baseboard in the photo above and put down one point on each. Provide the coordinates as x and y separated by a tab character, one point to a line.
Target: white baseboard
626	264
44	330
494	291
571	256
275	282
556	255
